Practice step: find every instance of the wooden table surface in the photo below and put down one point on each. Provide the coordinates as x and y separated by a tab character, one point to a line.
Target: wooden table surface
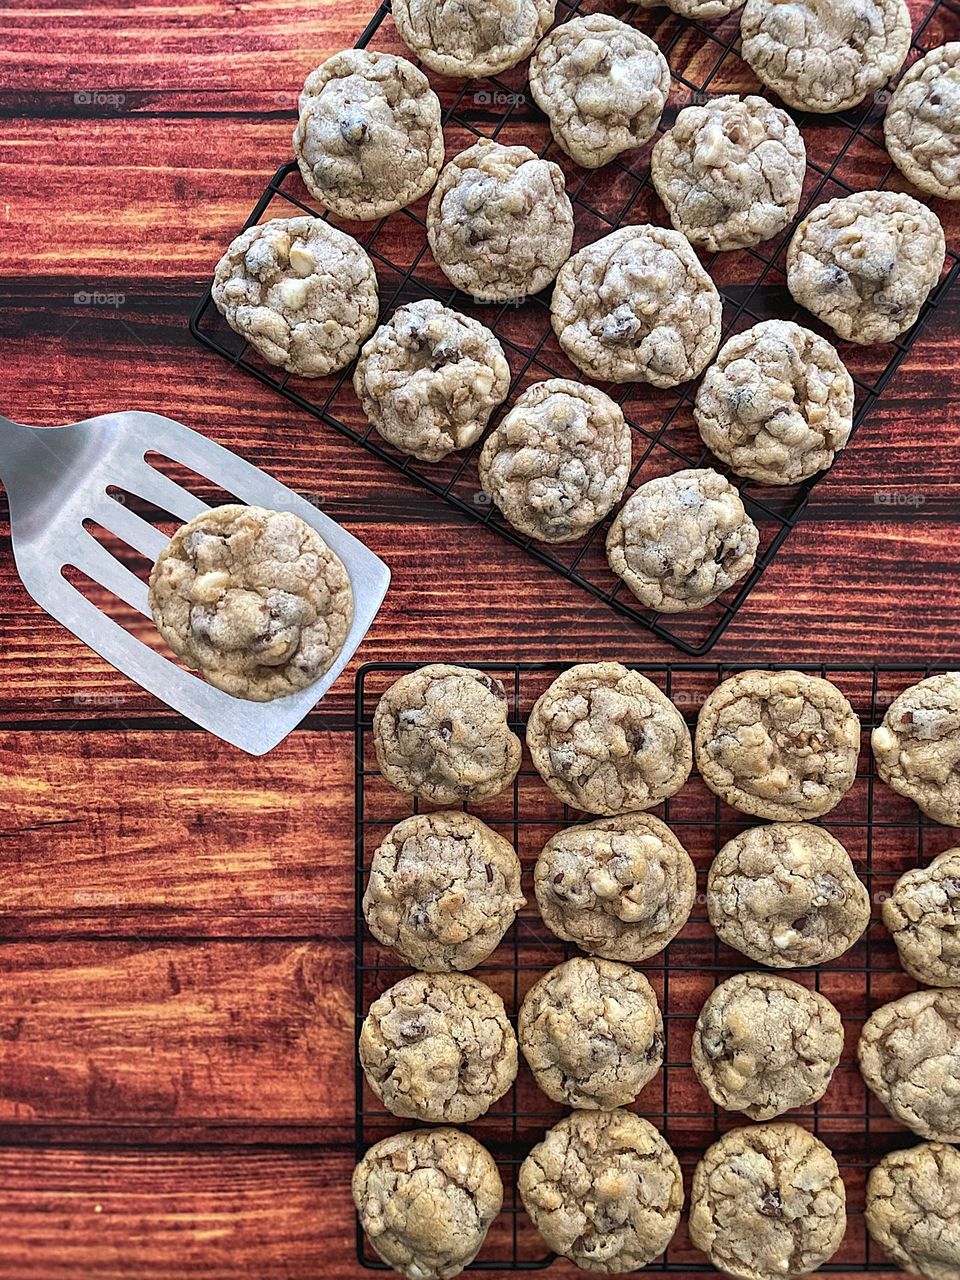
176	1021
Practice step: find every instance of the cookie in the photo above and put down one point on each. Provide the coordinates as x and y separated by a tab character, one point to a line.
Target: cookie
430	378
426	1199
824	55
604	1190
254	600
607	741
443	890
469	38
778	744
603	86
439	1047
777	404
923	914
681	540
591	1033
441	733
369	139
787	895
620	887
917	747
922	125
913	1209
300	292
559	461
730	171
695	9
865	264
909	1055
768	1203
500	223
764	1045
637	306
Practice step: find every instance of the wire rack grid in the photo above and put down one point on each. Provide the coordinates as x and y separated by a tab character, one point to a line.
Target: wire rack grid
885	835
705	61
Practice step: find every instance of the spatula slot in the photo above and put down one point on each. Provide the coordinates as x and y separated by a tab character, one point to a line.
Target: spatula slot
184	476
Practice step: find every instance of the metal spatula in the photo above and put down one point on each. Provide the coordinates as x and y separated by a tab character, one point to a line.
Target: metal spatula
57	477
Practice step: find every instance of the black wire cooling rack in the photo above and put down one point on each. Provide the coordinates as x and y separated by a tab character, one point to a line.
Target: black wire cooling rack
885	835
844	153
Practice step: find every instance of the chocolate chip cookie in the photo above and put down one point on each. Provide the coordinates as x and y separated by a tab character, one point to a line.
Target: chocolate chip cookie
681	540
730	171
604	1189
764	1045
768	1203
825	55
917	747
922	125
302	293
441	733
865	264
500	223
559	460
913	1209
443	890
607	741
787	895
603	86
778	744
923	914
695	9
254	600
430	378
909	1054
469	38
426	1199
369	139
637	306
621	887
592	1033
438	1047
777	404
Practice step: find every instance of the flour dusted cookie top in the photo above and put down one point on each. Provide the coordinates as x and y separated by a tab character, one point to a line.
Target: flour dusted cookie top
695	9
917	747
768	1203
441	733
500	223
604	1189
471	37
923	914
764	1045
787	895
426	1199
443	890
913	1209
681	540
922	125
865	264
429	379
730	171
302	293
825	55
592	1033
603	85
778	744
637	306
559	460
369	139
254	600
777	404
909	1054
438	1047
606	740
620	887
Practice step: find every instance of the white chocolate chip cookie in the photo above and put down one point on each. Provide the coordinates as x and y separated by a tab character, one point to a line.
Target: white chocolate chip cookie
913	1209
917	747
471	38
302	293
922	124
694	9
923	915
